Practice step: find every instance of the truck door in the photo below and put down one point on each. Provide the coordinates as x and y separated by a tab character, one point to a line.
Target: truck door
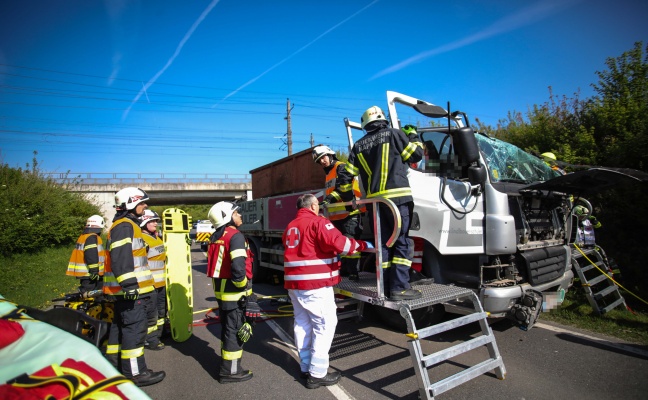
449	210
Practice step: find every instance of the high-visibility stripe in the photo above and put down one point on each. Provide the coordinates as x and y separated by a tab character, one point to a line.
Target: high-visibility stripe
384	167
304	263
132	353
307	277
231	355
238	253
402	261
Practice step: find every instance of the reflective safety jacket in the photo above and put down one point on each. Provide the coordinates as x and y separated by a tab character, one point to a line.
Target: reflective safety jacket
381	158
126	266
156	257
229	262
341	192
88	254
311	245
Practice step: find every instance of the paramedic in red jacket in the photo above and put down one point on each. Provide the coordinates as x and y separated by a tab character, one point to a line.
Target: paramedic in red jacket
311	269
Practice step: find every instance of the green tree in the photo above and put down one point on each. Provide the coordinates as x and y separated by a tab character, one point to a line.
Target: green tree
619	112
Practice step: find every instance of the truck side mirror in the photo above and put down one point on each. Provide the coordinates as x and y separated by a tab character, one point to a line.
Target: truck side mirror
430	110
466	145
477	174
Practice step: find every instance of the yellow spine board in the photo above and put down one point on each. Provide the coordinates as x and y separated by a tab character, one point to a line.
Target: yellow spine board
179	288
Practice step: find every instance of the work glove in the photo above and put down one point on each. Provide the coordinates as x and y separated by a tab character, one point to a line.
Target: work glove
252	309
244	333
409	129
595	222
132	294
94	275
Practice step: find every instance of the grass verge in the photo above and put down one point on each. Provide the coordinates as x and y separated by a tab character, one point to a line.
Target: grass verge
35	279
618	323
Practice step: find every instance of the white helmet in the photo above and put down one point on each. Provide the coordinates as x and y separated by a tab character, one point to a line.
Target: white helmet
128	198
373	113
320	151
221	213
148	216
95	221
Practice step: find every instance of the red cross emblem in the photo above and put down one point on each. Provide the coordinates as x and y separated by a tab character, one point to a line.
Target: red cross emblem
292	238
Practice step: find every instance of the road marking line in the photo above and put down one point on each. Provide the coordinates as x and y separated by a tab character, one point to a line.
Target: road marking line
336	390
604	342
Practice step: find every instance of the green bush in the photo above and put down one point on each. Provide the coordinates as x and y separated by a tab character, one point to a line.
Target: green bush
38	213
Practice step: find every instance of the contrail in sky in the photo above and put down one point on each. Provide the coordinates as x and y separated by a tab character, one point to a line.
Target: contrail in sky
173	57
522	18
251	81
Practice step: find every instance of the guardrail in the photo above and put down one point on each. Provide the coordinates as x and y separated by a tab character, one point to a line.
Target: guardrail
144	177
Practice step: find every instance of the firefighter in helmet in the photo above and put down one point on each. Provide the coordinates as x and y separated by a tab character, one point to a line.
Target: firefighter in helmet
128	278
550	159
87	259
346	219
229	264
156	257
381	158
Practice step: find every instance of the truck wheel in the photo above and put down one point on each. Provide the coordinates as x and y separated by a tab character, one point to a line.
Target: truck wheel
259	274
423	317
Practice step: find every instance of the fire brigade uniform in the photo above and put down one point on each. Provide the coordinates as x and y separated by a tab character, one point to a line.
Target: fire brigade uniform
381	158
345	219
127	269
229	263
156	257
87	258
311	269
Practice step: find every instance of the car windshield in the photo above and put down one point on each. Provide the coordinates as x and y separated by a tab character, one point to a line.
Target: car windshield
509	163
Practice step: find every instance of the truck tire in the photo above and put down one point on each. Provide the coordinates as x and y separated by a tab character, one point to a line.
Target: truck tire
204	246
423	317
259	274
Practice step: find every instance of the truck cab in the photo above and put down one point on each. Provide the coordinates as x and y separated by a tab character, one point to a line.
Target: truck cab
476	221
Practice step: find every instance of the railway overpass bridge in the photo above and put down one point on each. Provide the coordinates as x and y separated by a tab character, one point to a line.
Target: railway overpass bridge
162	188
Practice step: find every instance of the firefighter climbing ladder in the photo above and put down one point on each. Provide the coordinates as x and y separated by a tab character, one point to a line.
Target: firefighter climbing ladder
601	292
372	292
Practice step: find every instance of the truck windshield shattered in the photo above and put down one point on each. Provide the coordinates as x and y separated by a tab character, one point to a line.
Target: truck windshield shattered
508	163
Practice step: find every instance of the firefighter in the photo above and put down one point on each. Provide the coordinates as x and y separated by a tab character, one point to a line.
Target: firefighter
87	259
229	264
129	280
550	159
347	222
381	158
586	225
311	269
156	257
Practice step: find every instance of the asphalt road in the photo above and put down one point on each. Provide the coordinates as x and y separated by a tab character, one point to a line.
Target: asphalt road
547	362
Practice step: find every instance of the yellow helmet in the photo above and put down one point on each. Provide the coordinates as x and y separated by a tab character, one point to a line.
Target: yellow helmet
373	113
549	155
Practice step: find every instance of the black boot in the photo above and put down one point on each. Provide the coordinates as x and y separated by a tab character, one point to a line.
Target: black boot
148	377
329	379
240	377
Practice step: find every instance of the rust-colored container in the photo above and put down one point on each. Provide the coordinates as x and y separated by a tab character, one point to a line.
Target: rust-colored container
295	173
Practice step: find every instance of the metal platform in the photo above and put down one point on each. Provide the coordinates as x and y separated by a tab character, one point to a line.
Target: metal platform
366	291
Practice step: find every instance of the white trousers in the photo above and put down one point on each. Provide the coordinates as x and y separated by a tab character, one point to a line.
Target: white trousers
315	322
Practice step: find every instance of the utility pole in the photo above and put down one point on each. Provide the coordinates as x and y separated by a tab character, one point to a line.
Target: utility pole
289	131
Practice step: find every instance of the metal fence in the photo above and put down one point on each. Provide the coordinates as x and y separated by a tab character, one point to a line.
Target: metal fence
100	178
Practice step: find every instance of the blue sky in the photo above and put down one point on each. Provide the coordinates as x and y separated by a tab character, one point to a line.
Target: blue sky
201	86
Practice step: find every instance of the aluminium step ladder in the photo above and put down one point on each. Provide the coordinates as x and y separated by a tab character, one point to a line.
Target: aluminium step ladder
423	363
601	291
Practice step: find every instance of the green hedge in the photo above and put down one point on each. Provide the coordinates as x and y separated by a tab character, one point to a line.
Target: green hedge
38	213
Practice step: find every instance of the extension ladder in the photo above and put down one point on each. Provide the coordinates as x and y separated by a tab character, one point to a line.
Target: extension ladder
601	291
